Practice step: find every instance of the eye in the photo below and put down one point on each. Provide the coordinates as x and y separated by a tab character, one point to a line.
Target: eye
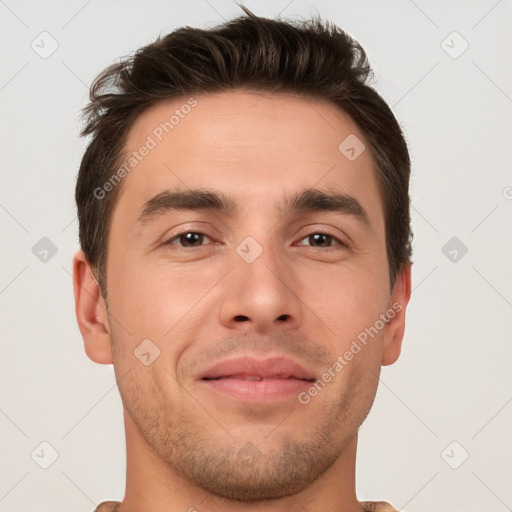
191	239
188	239
323	239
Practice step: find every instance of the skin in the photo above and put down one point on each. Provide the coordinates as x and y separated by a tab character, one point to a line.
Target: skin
188	447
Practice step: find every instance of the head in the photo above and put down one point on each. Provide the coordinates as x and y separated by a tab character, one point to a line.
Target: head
254	137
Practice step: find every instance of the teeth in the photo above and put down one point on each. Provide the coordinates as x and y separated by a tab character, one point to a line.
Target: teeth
248	377
255	377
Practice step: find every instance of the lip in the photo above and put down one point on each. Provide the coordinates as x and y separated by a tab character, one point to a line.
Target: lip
276	367
250	379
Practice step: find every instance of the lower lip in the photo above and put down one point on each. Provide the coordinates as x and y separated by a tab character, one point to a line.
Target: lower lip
261	391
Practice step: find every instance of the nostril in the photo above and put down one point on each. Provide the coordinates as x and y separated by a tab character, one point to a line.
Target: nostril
282	317
241	318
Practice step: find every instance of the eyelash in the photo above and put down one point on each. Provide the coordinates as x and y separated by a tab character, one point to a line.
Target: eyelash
317	232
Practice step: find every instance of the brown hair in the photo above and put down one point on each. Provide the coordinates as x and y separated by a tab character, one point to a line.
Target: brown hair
312	59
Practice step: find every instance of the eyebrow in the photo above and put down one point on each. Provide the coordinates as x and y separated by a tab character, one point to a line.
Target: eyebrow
200	199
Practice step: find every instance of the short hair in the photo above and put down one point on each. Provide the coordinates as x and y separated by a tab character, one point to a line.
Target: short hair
313	59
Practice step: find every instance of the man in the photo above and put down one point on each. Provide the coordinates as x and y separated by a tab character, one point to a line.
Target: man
246	263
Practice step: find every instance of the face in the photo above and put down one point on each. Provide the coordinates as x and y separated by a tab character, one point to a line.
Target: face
251	384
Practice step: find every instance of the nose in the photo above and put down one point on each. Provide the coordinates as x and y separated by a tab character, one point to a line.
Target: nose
261	295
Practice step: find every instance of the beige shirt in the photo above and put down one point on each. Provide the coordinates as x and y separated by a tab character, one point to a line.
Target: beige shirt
369	506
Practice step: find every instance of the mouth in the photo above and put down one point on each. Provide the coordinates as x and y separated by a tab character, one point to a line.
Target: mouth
249	380
252	378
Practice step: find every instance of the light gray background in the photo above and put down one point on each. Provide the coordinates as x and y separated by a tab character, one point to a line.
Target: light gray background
453	379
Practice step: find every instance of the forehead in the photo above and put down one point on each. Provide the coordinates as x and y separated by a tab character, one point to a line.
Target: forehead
253	146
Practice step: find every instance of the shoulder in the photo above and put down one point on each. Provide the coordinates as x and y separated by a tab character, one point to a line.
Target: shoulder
107	506
377	506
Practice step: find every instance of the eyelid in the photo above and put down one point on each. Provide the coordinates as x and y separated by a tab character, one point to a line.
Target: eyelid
169	241
319	231
322	231
203	228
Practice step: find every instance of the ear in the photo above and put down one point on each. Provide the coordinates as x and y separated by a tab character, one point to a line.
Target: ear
91	312
394	329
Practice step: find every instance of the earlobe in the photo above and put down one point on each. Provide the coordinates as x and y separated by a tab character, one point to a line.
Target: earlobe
395	328
91	313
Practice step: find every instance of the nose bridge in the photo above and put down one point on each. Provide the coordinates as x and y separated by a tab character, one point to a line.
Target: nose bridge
261	262
260	265
260	251
260	290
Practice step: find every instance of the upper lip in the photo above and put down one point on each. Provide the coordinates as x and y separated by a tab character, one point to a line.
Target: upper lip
277	367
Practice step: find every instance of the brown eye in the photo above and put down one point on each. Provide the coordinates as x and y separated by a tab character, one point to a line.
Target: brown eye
188	239
321	240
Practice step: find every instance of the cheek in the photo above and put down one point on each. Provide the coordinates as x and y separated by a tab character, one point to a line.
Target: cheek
347	300
160	300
